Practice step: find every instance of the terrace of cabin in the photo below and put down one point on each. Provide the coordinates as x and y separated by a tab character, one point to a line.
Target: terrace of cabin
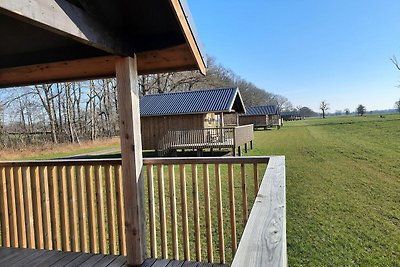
92	213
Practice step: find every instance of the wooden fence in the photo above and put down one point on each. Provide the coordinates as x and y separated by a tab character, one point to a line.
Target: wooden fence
196	209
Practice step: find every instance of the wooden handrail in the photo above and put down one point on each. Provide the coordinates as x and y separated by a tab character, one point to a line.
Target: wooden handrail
264	239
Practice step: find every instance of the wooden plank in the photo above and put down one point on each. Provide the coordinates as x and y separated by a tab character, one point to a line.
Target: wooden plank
12	208
207	209
232	209
264	239
219	213
92	260
65	19
111	213
79	260
152	214
255	174
244	194
174	221
185	223
92	215
190	38
196	212
163	218
65	227
83	212
207	160
48	256
55	207
44	187
37	207
132	162
73	211
34	254
19	191
120	209
5	220
101	217
118	262
30	228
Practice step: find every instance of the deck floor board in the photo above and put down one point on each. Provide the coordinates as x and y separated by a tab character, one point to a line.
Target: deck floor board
16	257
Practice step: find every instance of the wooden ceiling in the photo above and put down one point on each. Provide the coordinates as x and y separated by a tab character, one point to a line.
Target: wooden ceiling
56	40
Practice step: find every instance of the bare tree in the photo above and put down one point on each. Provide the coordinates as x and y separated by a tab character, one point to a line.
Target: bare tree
324	106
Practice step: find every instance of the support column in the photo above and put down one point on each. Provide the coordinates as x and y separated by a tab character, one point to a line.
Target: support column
132	161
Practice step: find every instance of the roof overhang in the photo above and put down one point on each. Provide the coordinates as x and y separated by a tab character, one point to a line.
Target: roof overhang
56	40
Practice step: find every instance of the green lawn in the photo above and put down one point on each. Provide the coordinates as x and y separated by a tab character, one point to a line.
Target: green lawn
343	189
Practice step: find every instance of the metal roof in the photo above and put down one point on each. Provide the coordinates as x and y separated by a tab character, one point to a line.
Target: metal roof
193	102
261	110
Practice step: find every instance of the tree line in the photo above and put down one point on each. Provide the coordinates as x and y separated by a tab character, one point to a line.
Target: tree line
87	110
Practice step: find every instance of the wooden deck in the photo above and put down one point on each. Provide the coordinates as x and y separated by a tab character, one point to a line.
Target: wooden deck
16	257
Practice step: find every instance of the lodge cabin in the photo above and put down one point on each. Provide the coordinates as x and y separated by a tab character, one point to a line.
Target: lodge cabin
193	120
91	212
261	117
291	116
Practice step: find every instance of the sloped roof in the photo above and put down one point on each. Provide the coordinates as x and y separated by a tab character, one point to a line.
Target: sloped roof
261	110
194	102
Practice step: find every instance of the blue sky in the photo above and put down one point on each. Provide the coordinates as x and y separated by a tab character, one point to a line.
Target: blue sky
308	50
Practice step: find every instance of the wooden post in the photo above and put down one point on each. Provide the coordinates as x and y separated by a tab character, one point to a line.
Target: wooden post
251	144
132	161
245	147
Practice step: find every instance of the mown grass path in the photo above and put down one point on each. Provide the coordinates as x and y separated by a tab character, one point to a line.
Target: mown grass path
343	189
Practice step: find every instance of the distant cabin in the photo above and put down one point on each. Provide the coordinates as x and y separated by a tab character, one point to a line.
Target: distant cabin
291	116
261	117
192	120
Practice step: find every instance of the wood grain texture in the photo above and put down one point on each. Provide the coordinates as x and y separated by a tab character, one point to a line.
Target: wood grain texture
132	161
174	221
264	239
163	217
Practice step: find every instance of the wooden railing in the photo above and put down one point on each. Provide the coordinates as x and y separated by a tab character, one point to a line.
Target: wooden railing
202	225
69	205
197	207
228	137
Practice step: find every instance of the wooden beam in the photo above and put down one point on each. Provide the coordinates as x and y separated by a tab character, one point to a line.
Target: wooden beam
168	60
63	18
189	36
132	161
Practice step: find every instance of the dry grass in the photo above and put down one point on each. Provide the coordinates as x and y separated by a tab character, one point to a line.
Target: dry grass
48	151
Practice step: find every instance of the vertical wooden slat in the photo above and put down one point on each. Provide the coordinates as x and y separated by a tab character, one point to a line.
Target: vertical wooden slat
232	209
185	224
44	187
100	208
152	215
111	214
256	182
37	207
196	212
65	227
163	221
55	207
73	204
244	194
174	221
92	216
12	208
220	214
5	221
120	210
83	218
30	230
19	193
206	178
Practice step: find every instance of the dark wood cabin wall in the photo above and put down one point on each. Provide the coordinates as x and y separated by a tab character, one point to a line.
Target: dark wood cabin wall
256	120
154	128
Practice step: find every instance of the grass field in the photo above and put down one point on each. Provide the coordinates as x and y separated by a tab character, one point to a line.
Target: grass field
343	189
